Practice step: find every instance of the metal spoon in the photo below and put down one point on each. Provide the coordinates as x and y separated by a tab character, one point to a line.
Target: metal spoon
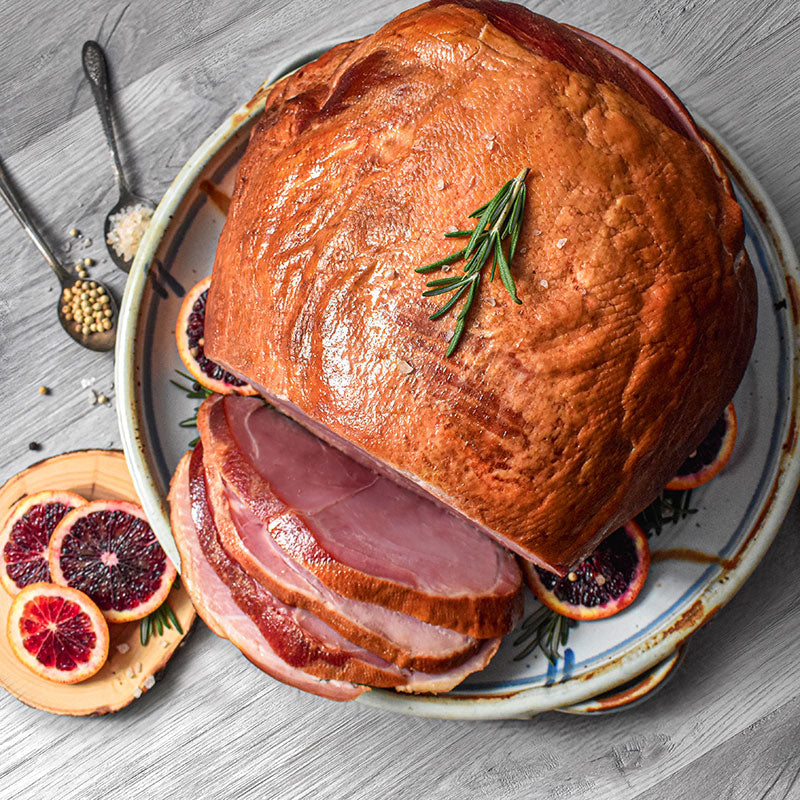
94	65
100	341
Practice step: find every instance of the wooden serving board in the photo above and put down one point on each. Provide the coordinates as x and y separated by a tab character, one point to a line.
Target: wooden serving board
95	475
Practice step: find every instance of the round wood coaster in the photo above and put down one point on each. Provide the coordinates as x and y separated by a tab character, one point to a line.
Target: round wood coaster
95	475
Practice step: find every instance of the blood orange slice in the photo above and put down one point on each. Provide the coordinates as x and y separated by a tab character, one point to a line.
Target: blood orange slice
601	585
26	534
57	632
108	550
189	335
711	456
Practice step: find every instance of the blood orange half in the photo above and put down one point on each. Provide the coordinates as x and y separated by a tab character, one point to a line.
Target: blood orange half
57	632
108	550
190	338
711	456
25	535
601	585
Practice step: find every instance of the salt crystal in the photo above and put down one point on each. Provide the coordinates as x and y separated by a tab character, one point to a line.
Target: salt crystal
164	644
149	682
560	243
87	243
537	232
448	337
123	647
440	184
543	283
490	144
92	397
489	135
523	250
129	672
490	301
404	367
139	667
87	382
137	692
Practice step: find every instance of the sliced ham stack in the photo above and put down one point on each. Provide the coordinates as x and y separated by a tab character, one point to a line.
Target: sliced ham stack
326	575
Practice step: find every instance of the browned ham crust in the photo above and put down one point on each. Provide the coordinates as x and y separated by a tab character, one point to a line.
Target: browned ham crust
558	420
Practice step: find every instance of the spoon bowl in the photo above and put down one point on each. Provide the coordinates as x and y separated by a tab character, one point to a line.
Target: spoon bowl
100	341
127	200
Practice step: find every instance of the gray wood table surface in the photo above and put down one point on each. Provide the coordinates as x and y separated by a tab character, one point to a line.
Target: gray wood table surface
727	725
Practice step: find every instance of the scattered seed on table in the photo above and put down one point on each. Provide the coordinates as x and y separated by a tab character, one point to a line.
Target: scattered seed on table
101	398
34	446
88	262
74	233
44	390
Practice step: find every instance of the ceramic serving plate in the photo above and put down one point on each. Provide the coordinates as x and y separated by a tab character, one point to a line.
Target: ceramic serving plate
738	513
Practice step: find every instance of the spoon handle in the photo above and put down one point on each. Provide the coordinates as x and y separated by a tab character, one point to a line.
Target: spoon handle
94	66
15	204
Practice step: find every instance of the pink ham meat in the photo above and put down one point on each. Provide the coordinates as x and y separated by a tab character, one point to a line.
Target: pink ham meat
299	638
403	640
362	535
216	606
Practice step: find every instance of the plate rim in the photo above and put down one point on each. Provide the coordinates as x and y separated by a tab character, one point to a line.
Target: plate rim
519	703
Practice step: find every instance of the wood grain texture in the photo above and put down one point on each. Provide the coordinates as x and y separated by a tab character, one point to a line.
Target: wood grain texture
725	727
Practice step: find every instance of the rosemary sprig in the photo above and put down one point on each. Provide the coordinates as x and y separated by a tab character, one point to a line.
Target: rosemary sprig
194	391
669	508
545	629
156	621
498	219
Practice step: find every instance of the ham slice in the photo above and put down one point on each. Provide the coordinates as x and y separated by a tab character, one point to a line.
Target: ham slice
360	534
216	606
299	638
399	638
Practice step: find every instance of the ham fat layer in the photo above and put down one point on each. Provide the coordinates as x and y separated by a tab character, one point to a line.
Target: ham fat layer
362	535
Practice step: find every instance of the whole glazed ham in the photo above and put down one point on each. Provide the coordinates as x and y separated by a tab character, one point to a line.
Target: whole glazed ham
362	546
557	420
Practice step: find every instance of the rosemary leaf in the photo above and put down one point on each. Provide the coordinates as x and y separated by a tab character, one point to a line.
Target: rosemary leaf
444	289
449	304
445	281
505	271
516	224
173	620
443	262
458	234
